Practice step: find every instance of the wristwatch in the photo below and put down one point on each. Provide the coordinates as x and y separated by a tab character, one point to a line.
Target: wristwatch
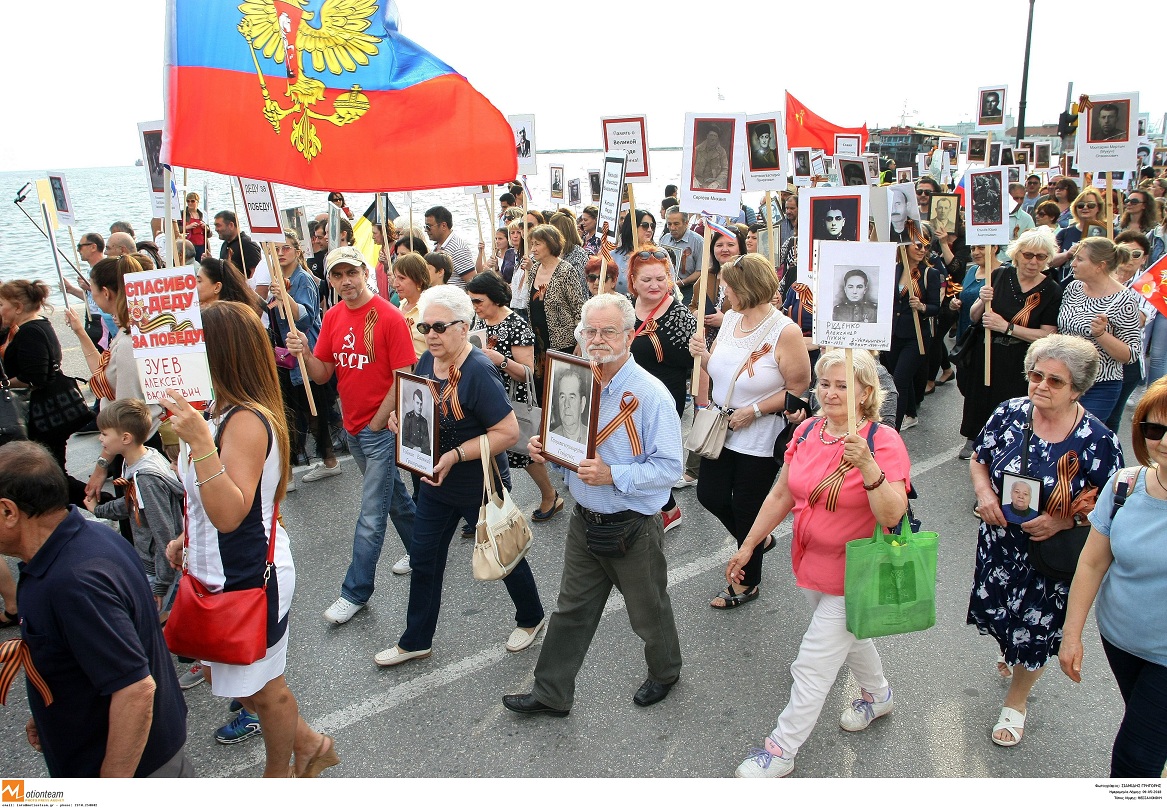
1079	520
503	366
757	411
102	463
1009	330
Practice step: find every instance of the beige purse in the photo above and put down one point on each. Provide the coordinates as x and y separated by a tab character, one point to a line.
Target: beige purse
502	536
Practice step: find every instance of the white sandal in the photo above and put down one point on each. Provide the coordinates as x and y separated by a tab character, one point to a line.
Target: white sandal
1012	722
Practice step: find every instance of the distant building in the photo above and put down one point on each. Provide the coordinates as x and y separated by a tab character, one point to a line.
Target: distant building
903	143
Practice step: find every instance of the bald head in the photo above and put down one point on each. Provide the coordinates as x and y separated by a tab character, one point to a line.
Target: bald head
120	244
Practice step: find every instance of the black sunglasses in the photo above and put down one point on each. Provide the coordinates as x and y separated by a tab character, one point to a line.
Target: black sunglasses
440	328
648	255
1152	430
593	277
81	244
923	192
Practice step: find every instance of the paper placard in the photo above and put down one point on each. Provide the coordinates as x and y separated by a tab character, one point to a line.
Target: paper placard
611	191
557	182
259	203
991	107
574	197
44	192
166	326
712	161
830	214
986	206
61	199
854	291
766	164
523	127
892	207
801	160
150	139
847	145
629	133
1107	138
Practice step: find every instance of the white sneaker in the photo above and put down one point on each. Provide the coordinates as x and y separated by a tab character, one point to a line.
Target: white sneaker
402	566
862	712
291	484
909	422
766	762
342	611
395	656
685	482
320	471
522	638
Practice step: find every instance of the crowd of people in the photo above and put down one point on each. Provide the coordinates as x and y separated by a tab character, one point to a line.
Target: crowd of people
198	490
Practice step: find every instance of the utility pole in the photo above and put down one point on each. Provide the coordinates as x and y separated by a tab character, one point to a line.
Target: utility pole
1025	76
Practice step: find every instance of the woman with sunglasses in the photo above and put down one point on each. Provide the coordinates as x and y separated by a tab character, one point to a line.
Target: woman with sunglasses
760	353
554	296
1065	191
611	276
1099	308
511	349
194	225
1134	372
1140	213
1068	455
472	403
1018	304
1087	213
337	198
646	229
1123	566
660	343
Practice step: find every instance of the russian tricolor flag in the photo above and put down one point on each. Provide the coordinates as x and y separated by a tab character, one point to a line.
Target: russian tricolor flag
323	94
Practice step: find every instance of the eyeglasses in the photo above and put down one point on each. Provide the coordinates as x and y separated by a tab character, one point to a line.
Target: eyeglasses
477	301
923	192
1086	205
1029	256
646	225
1134	200
1054	382
1152	430
440	328
1136	254
593	277
284	248
648	255
608	333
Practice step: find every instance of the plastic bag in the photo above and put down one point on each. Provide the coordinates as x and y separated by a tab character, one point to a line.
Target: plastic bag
890	583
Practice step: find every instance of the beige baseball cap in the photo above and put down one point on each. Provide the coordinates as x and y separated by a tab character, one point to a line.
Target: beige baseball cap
345	255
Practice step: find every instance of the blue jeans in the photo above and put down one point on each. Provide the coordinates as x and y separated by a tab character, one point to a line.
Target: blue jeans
383	496
1101	399
436	522
1131	378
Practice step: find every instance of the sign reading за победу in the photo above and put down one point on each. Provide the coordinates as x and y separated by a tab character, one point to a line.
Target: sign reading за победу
263	213
166	326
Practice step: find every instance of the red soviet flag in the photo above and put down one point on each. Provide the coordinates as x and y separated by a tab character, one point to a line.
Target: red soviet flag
1152	285
804	129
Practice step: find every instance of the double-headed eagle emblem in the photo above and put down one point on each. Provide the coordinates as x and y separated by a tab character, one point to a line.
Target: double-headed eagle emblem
277	29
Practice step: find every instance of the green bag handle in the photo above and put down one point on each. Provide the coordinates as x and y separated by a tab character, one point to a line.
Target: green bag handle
896	540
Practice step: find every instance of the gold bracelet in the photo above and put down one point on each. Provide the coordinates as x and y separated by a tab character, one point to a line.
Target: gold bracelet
204	457
92	353
222	470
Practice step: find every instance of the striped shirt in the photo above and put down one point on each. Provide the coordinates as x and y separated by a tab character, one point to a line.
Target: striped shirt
1121	310
460	257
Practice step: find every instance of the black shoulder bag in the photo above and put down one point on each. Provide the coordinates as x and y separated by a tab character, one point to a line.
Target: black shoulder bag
11	416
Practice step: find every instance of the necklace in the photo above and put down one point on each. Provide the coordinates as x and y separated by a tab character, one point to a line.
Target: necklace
823	430
742	323
1159	479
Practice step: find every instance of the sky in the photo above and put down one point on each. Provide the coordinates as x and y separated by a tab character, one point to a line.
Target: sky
571	63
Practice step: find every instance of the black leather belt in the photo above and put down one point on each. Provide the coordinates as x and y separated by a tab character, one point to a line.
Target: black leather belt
596	518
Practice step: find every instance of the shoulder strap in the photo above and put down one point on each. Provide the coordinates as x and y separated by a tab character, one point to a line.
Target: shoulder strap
806	432
871	437
1124	483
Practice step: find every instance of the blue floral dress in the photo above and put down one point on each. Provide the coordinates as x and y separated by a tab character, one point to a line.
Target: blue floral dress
1010	600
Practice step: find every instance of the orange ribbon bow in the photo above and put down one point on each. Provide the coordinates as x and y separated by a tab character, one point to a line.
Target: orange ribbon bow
14	654
449	396
755	356
628	405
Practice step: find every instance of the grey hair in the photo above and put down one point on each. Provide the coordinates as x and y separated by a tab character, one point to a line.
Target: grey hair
607	300
1077	353
453	298
866	375
1039	238
677	209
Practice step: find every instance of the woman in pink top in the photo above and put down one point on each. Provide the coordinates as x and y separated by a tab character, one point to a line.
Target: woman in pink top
838	490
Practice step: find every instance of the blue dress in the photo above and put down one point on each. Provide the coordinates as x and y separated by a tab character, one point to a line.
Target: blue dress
1010	600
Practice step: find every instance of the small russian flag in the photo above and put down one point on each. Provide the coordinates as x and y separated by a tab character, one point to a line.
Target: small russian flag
712	222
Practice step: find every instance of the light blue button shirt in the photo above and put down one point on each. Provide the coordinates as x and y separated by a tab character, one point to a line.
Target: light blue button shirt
642	482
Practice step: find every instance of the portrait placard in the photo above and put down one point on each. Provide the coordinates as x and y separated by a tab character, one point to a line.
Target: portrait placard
903	175
950	146
1020	498
150	139
854	288
830	214
594	184
574	197
166	326
1021	157
819	165
995	153
259	203
872	167
801	160
628	133
417	427
296	219
1108	137
64	204
986	206
523	127
944	208
991	107
611	192
766	167
1119	179
1015	172
978	146
1144	124
1160	158
557	182
1143	154
1007	156
891	207
571	404
712	161
852	171
1041	155
847	145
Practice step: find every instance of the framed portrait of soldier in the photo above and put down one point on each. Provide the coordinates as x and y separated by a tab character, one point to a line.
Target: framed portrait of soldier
557	182
903	175
848	145
594	184
571	404
944	208
1015	173
763	145
995	153
417	424
1109	122
872	167
1159	160
856	284
852	170
766	159
64	204
712	163
978	146
1021	158
991	107
893	207
1006	156
951	145
986	206
523	127
801	159
1107	137
1041	155
574	197
830	214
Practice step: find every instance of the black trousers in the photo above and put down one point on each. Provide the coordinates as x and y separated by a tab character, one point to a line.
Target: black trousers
905	363
1140	748
732	488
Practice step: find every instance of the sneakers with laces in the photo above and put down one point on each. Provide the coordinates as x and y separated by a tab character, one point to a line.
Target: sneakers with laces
672	518
243	726
769	761
320	472
864	710
193	677
402	566
909	422
342	611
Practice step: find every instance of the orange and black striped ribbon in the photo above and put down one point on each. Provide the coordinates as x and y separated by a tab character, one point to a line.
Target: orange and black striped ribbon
449	396
1059	501
14	654
831	486
98	382
916	281
1021	318
605	246
370	324
755	356
650	330
628	405
131	497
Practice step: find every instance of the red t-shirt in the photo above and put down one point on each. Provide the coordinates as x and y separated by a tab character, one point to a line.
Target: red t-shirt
821	536
364	372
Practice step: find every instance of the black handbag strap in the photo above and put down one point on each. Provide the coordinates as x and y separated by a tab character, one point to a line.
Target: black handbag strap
5	384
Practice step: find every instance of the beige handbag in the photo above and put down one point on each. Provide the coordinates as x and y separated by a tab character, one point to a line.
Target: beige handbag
502	537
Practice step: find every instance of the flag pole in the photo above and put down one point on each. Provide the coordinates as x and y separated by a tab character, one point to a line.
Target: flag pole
238	232
53	246
702	283
277	275
478	220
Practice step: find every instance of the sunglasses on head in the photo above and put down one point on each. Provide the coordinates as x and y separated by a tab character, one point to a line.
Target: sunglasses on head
648	255
439	327
1152	430
1054	382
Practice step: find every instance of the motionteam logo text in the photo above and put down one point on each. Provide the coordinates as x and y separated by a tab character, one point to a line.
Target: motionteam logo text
13	791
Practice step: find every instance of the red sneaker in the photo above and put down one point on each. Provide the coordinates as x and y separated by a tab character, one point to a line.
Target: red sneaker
672	518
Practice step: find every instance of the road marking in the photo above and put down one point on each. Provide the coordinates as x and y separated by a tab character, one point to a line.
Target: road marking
346	717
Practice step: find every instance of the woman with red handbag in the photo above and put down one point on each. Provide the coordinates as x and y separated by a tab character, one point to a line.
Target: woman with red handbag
239	576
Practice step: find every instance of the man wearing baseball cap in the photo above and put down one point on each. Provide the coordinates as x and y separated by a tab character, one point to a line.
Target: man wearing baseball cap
364	340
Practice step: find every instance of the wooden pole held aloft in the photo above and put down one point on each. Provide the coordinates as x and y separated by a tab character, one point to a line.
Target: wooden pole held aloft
277	277
699	299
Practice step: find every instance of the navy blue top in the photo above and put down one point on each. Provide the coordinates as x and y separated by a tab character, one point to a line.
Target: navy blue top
484	403
88	617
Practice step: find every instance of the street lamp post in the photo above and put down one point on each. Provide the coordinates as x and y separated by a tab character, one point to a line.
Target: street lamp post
1025	76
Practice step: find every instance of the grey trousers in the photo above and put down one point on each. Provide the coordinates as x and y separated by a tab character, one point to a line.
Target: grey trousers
641	576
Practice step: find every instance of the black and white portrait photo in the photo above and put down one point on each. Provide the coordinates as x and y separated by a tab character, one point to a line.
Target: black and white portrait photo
986	199
567	410
594	184
417	438
903	175
1109	122
763	145
901	207
801	162
944	207
952	146
1041	155
1020	498
712	154
557	182
1006	156
991	109
59	198
855	300
835	218
977	145
152	144
995	154
523	127
573	194
852	171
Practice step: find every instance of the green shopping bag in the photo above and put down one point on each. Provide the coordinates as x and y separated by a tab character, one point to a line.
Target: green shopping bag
890	584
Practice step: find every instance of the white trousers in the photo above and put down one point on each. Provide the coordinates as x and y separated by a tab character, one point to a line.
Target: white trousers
826	645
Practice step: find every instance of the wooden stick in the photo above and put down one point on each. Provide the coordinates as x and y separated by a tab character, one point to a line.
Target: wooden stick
702	283
239	232
167	181
493	220
277	276
990	257
76	255
769	228
906	282
478	219
635	224
852	419
1108	206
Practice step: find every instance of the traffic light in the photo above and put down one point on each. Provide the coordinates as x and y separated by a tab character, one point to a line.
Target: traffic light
1068	121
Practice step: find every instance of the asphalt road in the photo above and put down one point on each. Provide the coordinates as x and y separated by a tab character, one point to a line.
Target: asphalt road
443	716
